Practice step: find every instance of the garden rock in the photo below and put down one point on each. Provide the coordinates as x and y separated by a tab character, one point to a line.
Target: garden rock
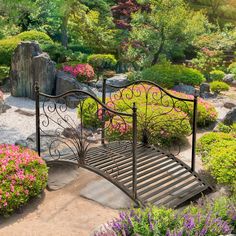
230	117
229	105
229	78
30	64
118	80
187	89
204	88
66	82
3	106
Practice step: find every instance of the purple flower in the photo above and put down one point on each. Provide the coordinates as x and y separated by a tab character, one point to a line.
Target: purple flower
189	222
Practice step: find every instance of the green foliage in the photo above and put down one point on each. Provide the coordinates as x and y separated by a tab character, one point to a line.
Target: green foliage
7	47
207	217
4	73
218	86
102	61
225	128
232	68
154	32
218	151
168	75
34	35
217	75
23	174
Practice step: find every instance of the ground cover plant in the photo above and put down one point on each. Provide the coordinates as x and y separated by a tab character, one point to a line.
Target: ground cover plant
204	218
23	174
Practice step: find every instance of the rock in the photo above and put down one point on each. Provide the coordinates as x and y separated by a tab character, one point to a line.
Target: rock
182	88
25	113
119	80
3	107
229	105
230	117
204	88
66	82
30	64
229	78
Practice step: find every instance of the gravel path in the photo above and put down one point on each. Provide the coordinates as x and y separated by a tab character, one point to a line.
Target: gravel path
15	126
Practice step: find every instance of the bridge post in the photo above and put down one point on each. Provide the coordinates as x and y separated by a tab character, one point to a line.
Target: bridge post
36	87
194	131
134	150
104	88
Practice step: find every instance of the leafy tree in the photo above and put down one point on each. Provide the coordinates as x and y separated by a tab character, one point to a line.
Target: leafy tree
170	26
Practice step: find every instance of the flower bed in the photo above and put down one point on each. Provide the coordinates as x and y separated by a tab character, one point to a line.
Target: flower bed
205	218
23	174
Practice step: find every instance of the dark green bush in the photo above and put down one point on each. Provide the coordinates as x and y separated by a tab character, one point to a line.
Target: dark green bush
218	86
4	73
168	75
217	75
102	61
34	35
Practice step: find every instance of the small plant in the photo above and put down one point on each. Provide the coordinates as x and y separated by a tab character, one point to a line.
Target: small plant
4	73
23	174
83	72
218	86
232	68
217	75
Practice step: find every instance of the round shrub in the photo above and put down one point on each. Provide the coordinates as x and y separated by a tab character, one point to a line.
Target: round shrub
4	73
102	62
232	68
23	174
168	75
34	35
218	152
217	75
7	47
218	86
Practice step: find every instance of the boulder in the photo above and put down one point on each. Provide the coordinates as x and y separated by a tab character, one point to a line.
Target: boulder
3	106
66	82
182	88
205	91
30	64
229	78
119	80
229	105
230	117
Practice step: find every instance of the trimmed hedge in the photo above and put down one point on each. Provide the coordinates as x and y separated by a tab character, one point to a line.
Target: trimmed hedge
168	75
218	86
23	174
217	75
102	61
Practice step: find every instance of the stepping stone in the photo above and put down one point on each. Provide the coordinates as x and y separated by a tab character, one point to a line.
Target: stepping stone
61	174
105	193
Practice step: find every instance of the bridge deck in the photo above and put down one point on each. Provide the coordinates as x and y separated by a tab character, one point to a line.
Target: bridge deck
162	179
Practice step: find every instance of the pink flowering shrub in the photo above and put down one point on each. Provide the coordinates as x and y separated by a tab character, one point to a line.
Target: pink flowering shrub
23	174
83	72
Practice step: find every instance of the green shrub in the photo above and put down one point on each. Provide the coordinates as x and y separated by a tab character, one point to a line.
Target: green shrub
232	68
23	174
168	75
34	35
102	61
207	217
4	73
217	75
218	152
7	47
218	86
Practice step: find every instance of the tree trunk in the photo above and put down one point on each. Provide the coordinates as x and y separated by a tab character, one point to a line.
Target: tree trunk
157	54
64	31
